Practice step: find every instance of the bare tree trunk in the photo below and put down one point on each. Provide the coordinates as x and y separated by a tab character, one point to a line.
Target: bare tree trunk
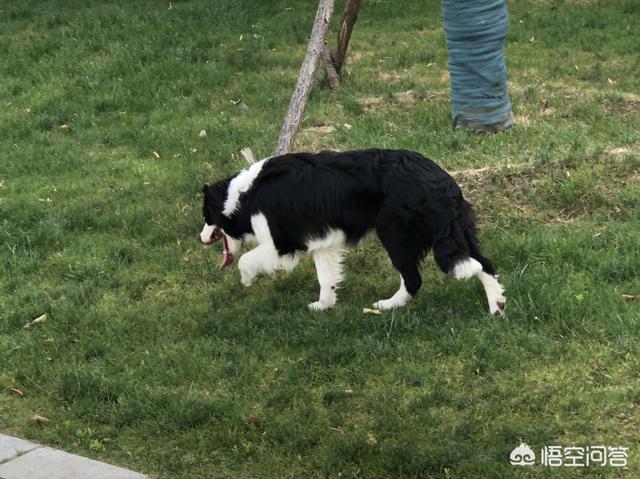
349	18
305	78
332	74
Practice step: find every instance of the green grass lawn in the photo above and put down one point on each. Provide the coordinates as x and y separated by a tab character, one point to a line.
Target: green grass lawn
154	359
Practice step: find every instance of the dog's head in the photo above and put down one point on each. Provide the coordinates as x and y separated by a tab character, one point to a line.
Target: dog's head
213	204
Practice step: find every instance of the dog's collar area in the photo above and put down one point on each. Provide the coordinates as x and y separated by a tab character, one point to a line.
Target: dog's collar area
227	255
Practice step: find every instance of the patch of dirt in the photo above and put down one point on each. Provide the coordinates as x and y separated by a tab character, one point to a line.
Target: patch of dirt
625	107
480	174
399	100
316	137
405	98
510	179
357	54
320	129
371	103
552	3
547	112
624	151
522	121
388	77
562	217
582	2
512	187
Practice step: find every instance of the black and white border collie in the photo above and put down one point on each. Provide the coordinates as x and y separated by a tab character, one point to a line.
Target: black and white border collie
322	202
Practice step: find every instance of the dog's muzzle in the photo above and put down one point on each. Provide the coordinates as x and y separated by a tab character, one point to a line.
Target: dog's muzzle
227	255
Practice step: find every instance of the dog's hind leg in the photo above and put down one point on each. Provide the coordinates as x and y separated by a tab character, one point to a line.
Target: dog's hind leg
494	292
469	267
457	252
329	271
406	262
465	267
399	299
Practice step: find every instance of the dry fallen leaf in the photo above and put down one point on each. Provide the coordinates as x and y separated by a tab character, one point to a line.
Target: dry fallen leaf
39	320
371	440
39	418
254	421
371	311
156	155
17	391
628	297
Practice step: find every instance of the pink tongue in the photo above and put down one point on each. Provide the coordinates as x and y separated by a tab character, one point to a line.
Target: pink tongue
227	256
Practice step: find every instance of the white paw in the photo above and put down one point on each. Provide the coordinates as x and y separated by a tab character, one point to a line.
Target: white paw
386	304
498	306
246	279
320	306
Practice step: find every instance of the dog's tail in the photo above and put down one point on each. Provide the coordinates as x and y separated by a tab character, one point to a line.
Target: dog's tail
458	252
468	225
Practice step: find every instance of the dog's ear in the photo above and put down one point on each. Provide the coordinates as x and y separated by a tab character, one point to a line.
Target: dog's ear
218	191
215	194
212	192
211	204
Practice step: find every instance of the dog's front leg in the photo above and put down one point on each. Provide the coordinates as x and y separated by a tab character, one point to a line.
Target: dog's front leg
262	259
329	271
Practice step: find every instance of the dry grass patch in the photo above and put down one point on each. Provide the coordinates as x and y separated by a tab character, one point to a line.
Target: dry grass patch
405	98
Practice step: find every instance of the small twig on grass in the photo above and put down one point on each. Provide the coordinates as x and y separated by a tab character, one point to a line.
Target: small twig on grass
248	155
